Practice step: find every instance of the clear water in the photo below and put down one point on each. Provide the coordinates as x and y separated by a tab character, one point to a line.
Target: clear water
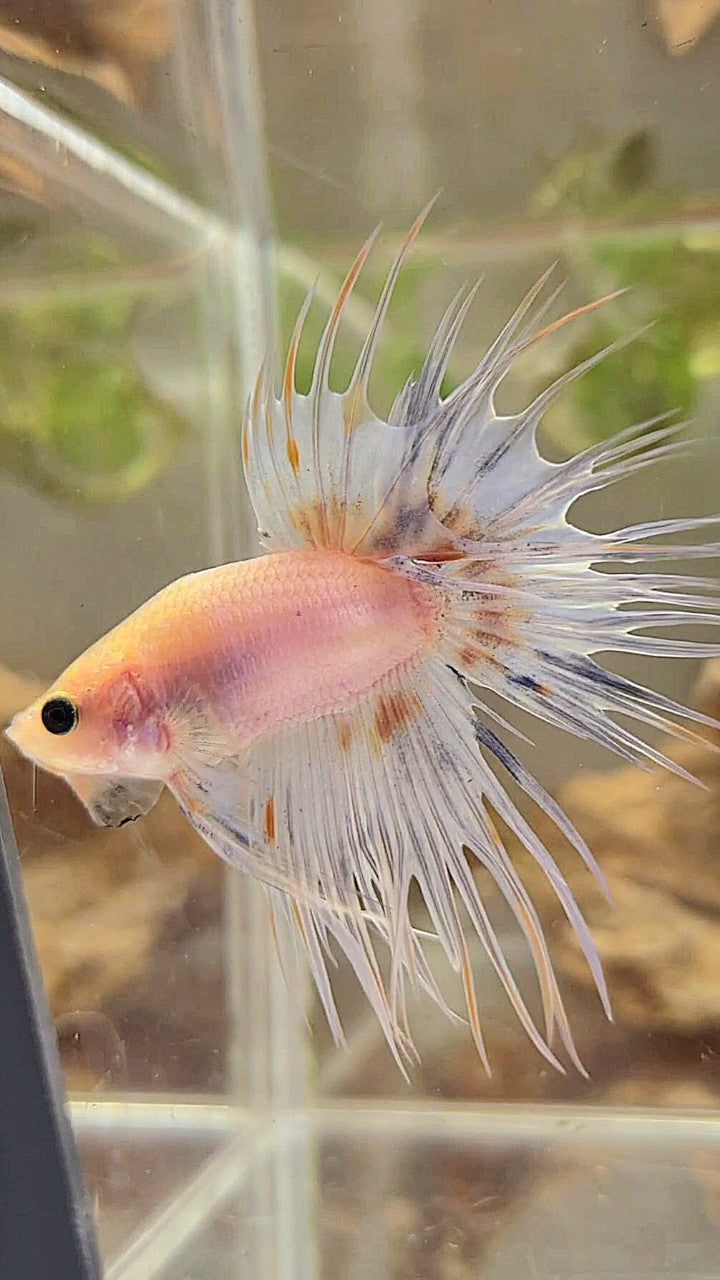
142	150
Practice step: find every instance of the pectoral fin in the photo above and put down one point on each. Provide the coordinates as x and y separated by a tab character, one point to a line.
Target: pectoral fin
112	801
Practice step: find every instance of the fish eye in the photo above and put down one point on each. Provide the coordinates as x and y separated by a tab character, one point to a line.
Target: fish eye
59	715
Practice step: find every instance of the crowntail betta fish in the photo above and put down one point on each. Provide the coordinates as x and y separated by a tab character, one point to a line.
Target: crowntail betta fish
318	711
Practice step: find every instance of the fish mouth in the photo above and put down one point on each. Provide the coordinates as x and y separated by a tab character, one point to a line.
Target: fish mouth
23	733
13	732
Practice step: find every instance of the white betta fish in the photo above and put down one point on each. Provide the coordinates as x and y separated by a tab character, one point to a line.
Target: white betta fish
318	712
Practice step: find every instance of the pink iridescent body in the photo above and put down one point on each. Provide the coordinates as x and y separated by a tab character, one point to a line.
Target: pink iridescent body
283	638
250	648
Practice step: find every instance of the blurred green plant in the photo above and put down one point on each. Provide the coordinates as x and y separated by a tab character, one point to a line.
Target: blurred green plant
672	273
77	422
601	176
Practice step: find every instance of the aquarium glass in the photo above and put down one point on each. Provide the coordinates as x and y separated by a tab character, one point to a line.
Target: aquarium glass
174	176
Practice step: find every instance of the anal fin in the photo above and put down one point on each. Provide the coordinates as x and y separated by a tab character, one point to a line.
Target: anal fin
337	816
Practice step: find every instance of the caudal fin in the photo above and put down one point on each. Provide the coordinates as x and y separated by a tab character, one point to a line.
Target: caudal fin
450	492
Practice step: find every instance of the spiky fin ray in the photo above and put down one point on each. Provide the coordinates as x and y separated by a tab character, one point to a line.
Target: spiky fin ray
323	469
453	493
346	847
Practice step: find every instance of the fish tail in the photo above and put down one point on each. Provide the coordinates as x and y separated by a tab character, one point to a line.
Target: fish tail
451	493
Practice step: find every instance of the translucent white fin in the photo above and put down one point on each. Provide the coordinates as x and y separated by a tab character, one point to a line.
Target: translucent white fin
319	466
324	470
113	801
400	790
452	493
531	606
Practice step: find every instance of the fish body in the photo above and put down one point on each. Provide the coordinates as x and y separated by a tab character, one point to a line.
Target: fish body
319	712
270	641
247	648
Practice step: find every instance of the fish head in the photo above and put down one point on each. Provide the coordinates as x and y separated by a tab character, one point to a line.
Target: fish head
101	719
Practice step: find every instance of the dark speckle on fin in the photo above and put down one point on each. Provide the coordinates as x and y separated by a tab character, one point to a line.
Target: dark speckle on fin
115	801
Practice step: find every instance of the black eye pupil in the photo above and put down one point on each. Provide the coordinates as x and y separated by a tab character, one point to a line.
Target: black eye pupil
59	715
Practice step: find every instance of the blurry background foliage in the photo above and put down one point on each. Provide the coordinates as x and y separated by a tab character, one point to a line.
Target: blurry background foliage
672	276
79	422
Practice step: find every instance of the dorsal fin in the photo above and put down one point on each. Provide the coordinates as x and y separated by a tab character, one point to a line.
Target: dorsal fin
324	470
